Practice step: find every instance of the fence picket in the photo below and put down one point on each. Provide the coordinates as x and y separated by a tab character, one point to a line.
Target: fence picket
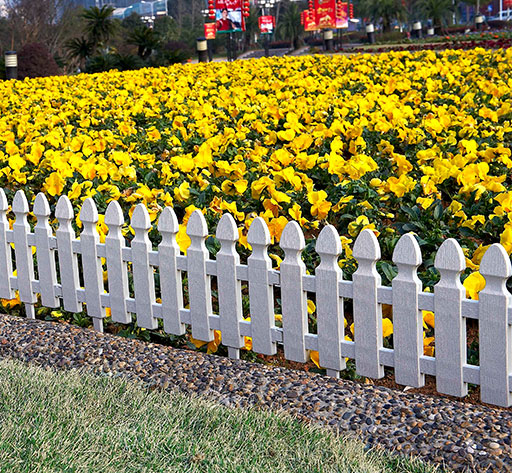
367	310
68	262
261	292
45	255
143	278
6	291
91	264
407	318
495	333
293	296
450	331
171	287
23	253
329	304
117	269
229	287
199	284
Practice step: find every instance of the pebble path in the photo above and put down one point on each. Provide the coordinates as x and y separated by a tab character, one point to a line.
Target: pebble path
461	437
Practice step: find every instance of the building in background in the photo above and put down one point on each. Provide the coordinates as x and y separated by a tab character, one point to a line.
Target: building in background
101	3
149	9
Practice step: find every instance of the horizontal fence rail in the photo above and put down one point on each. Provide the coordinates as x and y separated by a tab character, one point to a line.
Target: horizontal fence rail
70	272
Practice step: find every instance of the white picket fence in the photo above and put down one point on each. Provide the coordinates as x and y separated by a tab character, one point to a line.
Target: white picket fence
492	310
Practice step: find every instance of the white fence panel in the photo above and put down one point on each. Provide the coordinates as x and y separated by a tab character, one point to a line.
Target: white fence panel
91	263
23	253
293	296
450	331
407	318
45	254
451	308
171	287
229	287
68	263
367	310
199	283
6	273
329	304
261	294
495	333
117	269
143	277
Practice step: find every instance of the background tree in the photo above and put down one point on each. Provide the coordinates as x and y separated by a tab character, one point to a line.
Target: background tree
48	22
439	11
384	11
145	39
80	49
99	25
251	27
289	27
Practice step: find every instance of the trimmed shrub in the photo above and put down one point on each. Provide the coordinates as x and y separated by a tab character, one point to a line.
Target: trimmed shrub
34	60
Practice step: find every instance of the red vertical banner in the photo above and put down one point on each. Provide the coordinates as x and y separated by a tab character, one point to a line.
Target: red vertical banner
342	15
507	4
266	24
325	13
308	21
209	30
228	15
310	24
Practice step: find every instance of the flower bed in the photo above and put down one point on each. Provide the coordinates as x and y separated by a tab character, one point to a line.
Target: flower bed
396	142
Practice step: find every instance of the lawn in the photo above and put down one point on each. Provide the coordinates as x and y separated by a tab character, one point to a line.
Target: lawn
76	422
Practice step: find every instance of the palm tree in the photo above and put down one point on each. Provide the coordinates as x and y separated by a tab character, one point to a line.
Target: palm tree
145	39
439	11
99	24
80	49
386	11
289	25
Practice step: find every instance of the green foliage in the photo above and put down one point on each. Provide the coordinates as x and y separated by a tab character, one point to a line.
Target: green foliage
99	24
146	40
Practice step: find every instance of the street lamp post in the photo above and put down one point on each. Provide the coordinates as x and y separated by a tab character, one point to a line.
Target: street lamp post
266	7
209	51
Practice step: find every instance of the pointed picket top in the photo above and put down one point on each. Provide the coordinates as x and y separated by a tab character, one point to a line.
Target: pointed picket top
196	225
407	251
89	212
366	246
4	205
64	209
496	263
114	214
168	222
41	206
328	242
258	233
450	257
20	203
227	230
140	218
292	237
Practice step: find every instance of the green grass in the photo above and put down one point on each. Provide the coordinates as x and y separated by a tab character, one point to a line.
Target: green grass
67	421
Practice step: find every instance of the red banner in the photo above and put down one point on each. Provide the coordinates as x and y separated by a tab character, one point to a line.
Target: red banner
209	30
228	15
342	15
266	24
507	4
308	21
325	13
